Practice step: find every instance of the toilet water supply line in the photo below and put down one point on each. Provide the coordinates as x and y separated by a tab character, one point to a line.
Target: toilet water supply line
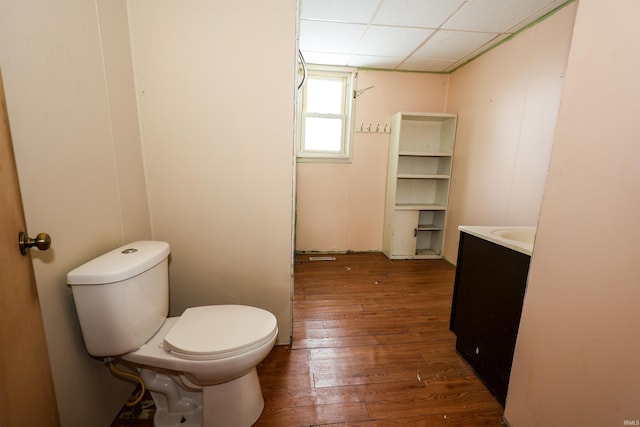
128	376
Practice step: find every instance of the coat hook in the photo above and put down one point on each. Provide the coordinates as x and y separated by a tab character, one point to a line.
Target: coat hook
357	93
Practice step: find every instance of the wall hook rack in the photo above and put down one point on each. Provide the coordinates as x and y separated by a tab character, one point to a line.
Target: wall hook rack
371	128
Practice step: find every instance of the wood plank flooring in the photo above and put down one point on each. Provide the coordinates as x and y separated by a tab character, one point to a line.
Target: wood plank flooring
372	347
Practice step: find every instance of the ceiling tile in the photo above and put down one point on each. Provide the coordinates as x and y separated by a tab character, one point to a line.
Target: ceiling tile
416	13
452	45
548	8
355	11
329	36
425	64
419	35
391	41
384	62
494	16
482	49
326	58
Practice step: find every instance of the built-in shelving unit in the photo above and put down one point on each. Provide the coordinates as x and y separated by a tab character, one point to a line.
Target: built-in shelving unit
418	177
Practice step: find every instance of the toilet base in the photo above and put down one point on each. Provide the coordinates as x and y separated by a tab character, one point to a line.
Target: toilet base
236	403
163	418
175	406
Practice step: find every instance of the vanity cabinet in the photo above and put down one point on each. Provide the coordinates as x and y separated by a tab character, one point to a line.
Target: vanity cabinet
418	176
489	291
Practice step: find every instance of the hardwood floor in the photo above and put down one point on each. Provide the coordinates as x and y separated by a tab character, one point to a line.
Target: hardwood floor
372	348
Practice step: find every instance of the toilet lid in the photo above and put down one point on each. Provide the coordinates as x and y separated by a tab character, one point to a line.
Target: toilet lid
219	331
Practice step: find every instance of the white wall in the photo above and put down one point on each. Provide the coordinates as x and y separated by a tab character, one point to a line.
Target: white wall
578	353
215	88
507	103
68	81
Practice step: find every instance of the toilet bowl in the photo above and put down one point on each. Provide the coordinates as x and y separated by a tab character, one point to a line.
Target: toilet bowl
224	375
200	367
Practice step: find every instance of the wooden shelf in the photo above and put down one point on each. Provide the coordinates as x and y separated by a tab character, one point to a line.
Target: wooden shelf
420	207
425	154
427	252
428	227
421	176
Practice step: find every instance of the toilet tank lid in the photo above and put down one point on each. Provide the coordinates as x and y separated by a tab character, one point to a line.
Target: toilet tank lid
119	264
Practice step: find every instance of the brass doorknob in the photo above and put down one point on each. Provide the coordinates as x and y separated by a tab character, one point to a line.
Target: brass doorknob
42	242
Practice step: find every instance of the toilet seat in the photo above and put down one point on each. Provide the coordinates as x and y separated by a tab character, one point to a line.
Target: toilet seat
219	331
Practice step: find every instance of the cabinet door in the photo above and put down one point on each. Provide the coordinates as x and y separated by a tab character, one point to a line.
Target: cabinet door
488	294
403	242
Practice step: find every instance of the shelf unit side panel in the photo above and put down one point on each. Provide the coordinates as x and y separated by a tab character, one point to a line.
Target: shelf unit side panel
449	138
448	135
392	171
442	192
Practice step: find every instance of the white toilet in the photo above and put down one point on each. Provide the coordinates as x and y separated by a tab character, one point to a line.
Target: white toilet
199	367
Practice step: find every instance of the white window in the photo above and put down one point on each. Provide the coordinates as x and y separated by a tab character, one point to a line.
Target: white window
325	116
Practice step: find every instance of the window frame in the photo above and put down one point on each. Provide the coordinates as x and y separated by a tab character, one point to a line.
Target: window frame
348	76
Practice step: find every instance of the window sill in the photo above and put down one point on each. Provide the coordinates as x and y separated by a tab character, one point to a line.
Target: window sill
323	159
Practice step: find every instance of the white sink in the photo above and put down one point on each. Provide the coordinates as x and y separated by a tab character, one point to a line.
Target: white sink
517	234
517	238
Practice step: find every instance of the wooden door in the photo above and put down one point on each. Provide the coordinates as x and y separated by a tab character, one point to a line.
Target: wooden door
26	387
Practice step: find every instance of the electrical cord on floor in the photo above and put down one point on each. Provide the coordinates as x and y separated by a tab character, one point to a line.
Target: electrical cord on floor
133	401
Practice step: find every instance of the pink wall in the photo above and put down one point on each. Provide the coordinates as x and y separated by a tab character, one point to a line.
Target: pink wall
341	206
507	103
577	360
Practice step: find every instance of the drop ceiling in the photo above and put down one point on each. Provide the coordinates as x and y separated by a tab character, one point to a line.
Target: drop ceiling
410	35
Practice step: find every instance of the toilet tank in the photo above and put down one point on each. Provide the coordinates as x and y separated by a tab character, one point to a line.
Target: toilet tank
122	297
